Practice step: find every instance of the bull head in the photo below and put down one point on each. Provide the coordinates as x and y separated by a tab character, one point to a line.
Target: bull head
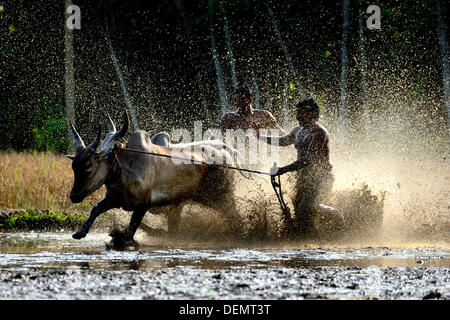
90	164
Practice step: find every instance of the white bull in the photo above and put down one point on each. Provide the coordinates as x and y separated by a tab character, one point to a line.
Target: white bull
163	139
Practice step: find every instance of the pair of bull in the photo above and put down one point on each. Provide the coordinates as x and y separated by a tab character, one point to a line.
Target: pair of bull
138	181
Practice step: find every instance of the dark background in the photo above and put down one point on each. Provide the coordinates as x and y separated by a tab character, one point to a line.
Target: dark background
165	56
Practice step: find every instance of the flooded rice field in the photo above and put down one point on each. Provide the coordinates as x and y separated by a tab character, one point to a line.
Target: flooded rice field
51	265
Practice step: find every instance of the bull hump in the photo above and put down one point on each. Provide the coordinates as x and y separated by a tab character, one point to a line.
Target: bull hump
139	140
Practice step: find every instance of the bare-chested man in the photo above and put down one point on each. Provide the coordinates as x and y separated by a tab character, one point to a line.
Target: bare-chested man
243	119
314	176
245	116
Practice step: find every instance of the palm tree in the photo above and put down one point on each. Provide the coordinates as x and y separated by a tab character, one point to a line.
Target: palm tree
69	82
215	55
363	69
226	30
287	57
344	69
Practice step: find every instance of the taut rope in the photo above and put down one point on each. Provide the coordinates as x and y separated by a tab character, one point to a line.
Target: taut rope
119	146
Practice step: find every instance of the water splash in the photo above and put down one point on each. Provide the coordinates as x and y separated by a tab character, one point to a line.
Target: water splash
443	46
256	91
226	29
284	49
285	102
365	95
344	70
121	80
218	69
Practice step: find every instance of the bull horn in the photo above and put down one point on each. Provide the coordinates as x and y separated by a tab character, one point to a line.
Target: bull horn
124	129
96	142
113	130
78	139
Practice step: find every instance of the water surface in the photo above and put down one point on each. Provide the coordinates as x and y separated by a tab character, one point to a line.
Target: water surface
37	250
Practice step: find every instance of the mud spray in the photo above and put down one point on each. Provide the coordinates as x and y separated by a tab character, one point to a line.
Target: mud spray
391	185
391	182
391	177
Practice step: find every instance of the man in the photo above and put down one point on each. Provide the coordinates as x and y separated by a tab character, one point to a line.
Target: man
313	166
245	118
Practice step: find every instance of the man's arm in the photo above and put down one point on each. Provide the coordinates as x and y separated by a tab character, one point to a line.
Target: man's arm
272	122
317	141
300	163
282	141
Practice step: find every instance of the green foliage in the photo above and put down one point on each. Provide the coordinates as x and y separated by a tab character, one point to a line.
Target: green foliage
51	136
37	139
49	125
46	220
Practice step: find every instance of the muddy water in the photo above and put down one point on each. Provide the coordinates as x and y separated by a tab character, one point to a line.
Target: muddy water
37	265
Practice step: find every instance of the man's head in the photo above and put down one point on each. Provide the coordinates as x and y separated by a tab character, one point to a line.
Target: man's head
243	97
307	111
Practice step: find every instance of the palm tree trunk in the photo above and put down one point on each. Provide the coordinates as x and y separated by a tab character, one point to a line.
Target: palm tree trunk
115	61
218	69
292	70
344	71
365	95
69	82
226	30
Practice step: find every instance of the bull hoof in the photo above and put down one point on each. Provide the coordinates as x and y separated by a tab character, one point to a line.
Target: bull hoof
79	235
120	241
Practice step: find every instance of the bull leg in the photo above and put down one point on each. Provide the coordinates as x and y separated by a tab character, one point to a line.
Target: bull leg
103	205
119	239
135	221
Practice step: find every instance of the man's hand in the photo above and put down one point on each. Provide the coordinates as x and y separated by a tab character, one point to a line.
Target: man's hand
276	171
256	127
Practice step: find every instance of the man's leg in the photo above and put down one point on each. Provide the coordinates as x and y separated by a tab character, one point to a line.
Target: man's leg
326	185
304	208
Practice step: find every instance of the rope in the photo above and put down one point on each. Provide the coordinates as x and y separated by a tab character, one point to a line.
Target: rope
121	148
284	208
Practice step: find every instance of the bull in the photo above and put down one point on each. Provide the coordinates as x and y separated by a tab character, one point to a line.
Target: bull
139	181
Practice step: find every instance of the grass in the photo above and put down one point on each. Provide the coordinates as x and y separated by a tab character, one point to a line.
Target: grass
39	180
45	220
